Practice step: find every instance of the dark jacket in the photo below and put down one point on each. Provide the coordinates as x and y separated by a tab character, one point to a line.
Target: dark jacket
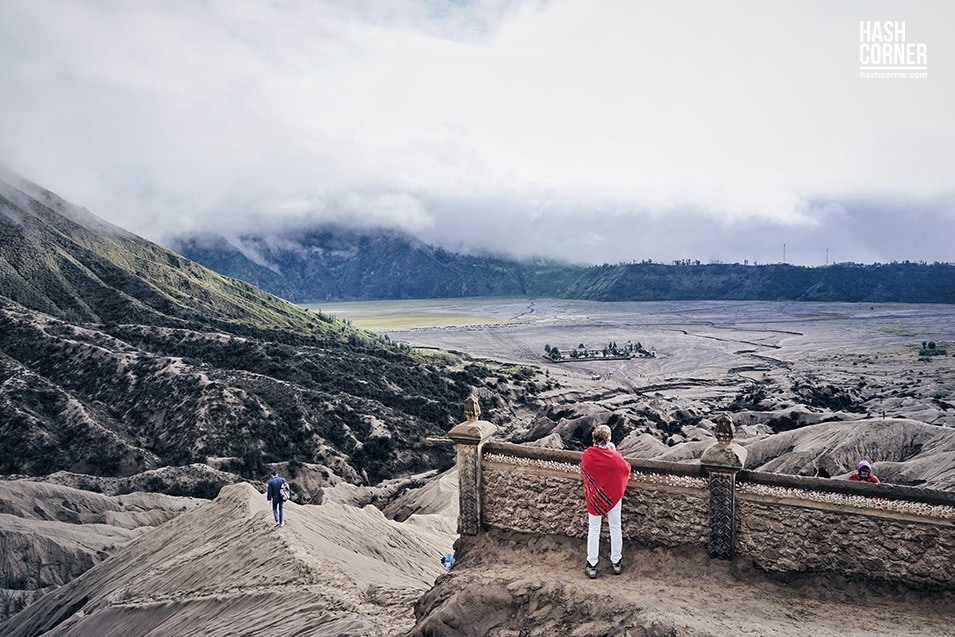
273	491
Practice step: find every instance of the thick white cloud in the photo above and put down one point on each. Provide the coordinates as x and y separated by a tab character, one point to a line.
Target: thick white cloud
596	131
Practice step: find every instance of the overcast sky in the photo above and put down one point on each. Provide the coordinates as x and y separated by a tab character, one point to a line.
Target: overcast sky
593	131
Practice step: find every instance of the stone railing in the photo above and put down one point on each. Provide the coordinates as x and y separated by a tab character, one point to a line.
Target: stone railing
779	523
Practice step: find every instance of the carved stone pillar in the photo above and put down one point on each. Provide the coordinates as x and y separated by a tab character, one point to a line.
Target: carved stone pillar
722	461
469	437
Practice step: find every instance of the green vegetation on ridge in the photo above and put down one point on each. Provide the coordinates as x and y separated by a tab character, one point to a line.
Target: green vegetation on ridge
118	356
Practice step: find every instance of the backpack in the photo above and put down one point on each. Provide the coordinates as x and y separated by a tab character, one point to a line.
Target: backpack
284	492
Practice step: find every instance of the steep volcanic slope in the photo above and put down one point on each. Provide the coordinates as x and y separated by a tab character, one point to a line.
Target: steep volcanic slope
117	356
61	260
223	569
333	262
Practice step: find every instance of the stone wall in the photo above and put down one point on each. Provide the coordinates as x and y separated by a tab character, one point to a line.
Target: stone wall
782	524
857	541
544	495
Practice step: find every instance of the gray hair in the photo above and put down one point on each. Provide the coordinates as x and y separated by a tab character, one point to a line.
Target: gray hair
601	434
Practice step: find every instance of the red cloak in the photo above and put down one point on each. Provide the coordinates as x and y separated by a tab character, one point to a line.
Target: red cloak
605	474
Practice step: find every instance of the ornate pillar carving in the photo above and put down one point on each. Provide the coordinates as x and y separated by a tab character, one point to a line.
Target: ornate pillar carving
723	461
469	437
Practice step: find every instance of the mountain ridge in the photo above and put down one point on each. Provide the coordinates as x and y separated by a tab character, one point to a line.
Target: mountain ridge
334	263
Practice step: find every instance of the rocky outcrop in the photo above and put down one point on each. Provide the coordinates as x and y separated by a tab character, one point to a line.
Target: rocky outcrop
909	452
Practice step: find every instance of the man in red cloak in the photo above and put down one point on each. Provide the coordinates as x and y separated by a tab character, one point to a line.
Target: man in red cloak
605	474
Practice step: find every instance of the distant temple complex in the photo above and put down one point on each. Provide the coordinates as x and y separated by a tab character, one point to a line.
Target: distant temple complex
611	351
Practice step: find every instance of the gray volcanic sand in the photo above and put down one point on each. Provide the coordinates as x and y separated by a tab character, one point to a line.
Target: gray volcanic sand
704	348
221	568
854	363
707	354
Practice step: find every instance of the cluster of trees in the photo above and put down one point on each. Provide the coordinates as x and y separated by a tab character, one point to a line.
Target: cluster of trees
929	348
611	350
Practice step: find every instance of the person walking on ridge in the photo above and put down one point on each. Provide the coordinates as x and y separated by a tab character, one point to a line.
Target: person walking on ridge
605	474
274	493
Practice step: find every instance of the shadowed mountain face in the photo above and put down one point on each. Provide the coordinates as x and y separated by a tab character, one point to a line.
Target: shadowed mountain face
333	263
118	356
61	260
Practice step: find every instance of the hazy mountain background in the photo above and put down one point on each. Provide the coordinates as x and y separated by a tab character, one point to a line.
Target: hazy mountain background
333	263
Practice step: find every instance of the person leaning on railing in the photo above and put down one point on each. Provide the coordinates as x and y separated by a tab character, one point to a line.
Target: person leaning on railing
863	473
605	474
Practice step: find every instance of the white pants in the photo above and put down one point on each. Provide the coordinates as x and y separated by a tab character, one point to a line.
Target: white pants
616	535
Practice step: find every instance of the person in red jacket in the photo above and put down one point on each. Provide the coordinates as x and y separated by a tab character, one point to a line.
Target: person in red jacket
863	473
605	474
